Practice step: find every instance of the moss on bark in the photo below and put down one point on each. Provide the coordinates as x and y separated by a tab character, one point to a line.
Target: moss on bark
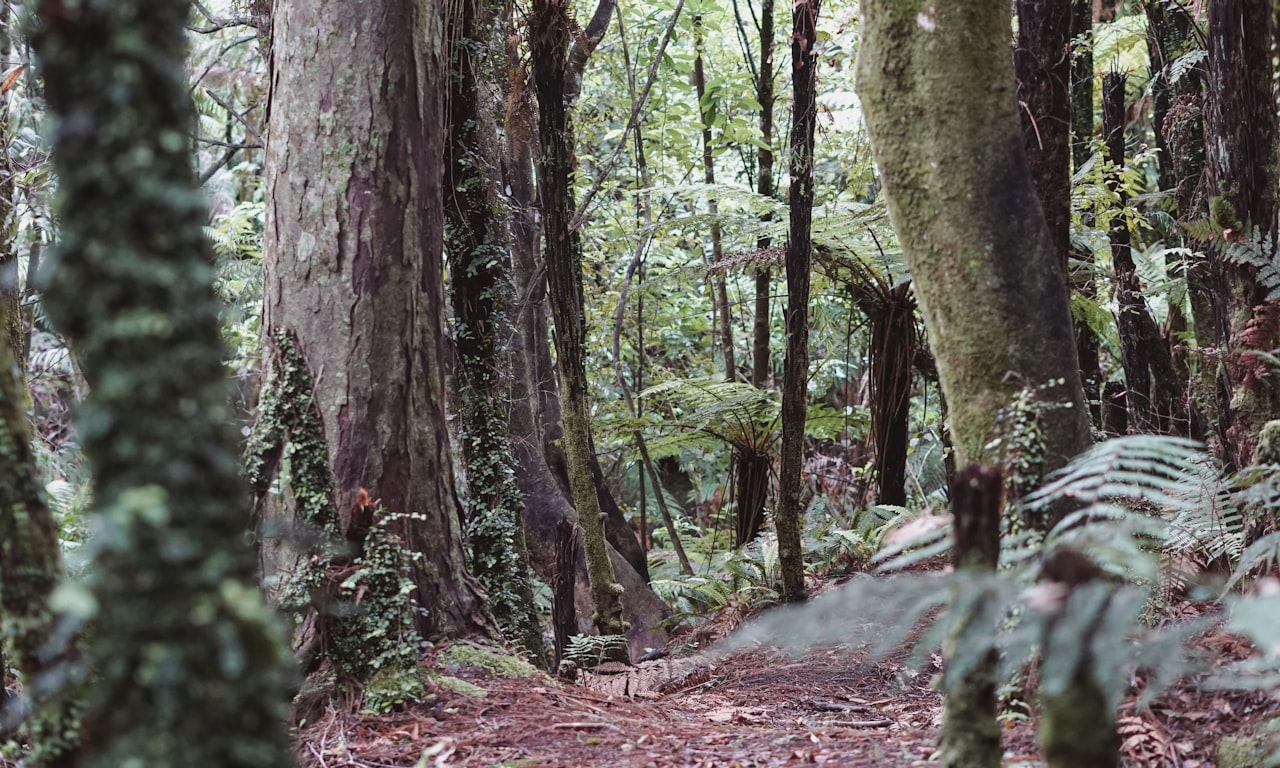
184	644
937	86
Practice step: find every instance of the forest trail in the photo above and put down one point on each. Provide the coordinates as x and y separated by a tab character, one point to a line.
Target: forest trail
753	709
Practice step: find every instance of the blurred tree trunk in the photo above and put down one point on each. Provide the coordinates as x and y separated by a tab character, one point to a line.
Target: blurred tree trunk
477	240
938	92
556	70
795	379
354	264
1240	136
173	580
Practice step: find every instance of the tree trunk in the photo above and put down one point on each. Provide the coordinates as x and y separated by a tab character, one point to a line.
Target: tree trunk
11	314
752	468
536	412
183	645
353	257
1082	280
549	38
937	88
893	350
1042	61
477	242
1240	134
795	380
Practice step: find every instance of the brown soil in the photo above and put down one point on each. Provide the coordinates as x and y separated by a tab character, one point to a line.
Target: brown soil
757	708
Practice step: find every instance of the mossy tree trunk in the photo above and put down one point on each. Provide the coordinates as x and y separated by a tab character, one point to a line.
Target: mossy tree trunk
790	512
555	73
30	569
184	645
937	87
477	241
1240	136
354	268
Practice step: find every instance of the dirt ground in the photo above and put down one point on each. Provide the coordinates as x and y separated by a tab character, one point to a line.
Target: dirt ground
755	708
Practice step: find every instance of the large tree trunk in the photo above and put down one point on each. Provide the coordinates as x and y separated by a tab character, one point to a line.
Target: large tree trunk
937	87
353	248
1240	134
795	380
184	647
480	265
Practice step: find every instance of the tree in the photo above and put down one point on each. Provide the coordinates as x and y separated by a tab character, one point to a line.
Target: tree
937	88
1240	139
795	381
184	646
477	241
354	273
556	72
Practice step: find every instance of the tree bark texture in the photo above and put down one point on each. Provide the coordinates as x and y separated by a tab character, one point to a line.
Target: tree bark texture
550	36
477	242
970	736
937	88
354	264
1240	136
536	414
788	518
893	351
719	288
1042	62
1082	279
184	646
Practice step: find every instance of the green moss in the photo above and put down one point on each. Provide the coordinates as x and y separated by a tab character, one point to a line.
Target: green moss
492	661
458	685
1248	751
392	689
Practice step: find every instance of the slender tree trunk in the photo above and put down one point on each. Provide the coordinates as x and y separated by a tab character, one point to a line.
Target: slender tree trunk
354	263
752	467
184	646
790	512
717	276
1082	280
549	38
893	350
1042	61
477	242
10	286
1240	134
937	87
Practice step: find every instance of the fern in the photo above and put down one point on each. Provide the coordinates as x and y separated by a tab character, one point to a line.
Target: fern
1257	250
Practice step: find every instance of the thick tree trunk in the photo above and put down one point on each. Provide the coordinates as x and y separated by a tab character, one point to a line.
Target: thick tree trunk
353	249
938	92
795	380
549	39
183	645
477	242
1240	135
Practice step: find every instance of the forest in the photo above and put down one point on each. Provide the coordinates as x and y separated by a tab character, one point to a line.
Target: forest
682	383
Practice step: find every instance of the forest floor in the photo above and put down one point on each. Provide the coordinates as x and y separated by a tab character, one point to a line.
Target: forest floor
757	707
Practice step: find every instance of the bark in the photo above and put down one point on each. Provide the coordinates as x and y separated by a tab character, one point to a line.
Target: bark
970	736
893	350
1042	61
795	379
1082	279
536	411
354	261
184	646
11	314
480	278
549	38
719	289
1240	135
938	92
1151	384
30	569
752	468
